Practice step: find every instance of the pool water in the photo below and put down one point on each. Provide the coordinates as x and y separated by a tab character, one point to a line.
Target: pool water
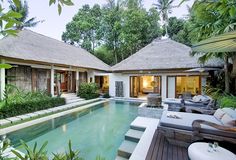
96	131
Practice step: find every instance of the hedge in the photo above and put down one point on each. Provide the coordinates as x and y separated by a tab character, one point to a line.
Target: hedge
14	108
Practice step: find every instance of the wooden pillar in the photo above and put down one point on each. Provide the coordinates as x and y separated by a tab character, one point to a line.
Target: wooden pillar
52	81
77	81
2	80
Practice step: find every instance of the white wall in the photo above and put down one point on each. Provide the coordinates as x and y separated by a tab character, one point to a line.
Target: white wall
126	81
113	77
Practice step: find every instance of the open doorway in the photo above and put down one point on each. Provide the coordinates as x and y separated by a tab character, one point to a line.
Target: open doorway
141	86
103	83
65	82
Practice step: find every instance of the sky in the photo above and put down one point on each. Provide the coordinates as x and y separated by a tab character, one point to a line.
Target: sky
54	24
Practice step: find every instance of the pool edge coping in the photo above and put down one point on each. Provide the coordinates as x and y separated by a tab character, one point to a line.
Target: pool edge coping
16	127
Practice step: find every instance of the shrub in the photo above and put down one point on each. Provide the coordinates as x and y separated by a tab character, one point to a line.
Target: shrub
106	95
27	102
228	101
88	90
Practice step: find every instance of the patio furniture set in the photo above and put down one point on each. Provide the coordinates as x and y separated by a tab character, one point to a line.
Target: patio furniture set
192	131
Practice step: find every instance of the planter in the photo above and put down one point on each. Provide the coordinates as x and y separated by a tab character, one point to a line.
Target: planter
144	111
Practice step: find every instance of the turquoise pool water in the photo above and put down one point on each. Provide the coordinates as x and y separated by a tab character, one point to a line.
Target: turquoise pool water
96	131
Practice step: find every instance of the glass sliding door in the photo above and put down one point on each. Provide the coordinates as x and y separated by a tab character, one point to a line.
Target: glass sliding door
141	86
188	84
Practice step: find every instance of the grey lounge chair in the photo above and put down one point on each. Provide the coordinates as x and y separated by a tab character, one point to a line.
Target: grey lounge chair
193	127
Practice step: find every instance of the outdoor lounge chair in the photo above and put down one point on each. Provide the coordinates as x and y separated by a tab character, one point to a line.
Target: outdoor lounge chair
190	127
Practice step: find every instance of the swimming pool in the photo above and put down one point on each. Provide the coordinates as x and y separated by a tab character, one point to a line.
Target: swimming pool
96	131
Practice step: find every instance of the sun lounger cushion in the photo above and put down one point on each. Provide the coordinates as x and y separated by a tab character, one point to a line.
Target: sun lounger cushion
230	112
228	120
185	123
219	114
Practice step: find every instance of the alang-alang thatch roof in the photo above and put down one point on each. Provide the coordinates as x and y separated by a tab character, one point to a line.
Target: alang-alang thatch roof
163	55
31	46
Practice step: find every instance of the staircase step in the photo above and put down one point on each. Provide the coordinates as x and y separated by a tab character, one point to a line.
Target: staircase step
126	149
120	158
137	128
133	135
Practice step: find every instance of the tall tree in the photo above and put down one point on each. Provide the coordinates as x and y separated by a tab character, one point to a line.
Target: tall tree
210	18
178	30
84	29
112	27
164	7
23	9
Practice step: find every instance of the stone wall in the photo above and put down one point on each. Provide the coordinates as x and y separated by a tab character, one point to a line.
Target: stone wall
27	78
20	76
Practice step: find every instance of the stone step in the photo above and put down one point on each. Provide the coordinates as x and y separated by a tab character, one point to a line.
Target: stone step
126	149
133	135
120	158
138	128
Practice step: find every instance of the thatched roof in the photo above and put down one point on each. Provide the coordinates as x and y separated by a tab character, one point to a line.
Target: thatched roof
32	46
163	54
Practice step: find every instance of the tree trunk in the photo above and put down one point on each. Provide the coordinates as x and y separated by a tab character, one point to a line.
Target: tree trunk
226	64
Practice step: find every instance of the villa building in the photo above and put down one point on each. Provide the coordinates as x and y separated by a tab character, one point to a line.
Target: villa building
163	67
42	63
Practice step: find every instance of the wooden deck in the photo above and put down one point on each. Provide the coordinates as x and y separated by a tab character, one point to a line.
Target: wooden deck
161	149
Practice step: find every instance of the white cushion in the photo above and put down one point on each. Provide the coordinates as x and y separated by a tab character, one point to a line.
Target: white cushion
228	120
219	114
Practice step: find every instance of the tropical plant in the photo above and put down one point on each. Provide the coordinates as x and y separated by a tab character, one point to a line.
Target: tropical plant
70	155
228	101
23	9
165	7
88	90
4	144
32	154
209	18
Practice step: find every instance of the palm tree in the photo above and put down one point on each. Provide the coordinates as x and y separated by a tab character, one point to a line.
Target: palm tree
23	9
164	7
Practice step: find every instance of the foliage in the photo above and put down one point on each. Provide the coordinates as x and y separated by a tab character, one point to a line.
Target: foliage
23	9
164	7
115	31
104	54
228	101
32	154
209	18
215	93
8	20
106	95
4	144
70	155
84	29
88	90
61	3
178	30
27	102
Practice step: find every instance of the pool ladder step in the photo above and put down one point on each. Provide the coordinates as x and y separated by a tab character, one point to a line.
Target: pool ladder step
133	135
126	149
